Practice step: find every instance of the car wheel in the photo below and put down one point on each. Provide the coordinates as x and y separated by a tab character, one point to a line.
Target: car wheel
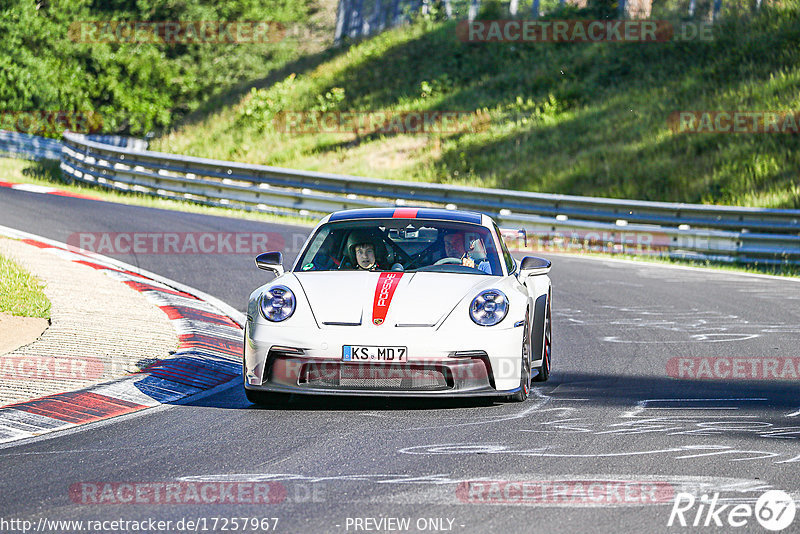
525	374
547	349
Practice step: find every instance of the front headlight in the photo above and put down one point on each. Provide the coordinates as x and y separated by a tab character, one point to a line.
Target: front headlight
277	303
489	307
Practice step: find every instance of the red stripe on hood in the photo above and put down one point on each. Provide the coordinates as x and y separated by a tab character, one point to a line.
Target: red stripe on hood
384	291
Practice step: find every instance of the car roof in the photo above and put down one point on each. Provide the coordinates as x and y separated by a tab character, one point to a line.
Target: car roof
470	217
408	213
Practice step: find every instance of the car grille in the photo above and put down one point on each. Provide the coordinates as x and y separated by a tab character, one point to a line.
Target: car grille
378	377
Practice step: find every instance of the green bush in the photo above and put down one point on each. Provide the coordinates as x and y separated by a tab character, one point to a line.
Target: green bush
134	87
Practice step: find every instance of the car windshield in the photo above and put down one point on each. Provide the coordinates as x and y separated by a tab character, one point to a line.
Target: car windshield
401	245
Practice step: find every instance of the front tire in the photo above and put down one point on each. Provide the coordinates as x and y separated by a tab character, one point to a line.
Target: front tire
525	374
547	347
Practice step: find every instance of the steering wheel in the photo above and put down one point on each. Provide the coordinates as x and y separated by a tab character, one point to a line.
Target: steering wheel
448	261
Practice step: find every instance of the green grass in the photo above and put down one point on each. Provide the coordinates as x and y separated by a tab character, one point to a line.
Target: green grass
20	292
585	119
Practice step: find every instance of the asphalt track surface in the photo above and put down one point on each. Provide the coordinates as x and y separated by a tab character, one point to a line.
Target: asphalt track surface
610	411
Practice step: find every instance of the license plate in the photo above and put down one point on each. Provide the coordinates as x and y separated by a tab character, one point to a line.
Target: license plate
373	353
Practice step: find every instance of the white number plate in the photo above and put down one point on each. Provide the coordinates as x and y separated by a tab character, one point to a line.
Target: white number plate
372	353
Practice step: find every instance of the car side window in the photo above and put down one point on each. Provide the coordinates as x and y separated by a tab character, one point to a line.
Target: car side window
511	266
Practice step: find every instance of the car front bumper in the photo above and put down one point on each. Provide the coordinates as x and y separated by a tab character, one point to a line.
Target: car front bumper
297	361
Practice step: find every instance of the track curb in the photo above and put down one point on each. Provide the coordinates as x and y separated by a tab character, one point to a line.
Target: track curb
208	355
33	188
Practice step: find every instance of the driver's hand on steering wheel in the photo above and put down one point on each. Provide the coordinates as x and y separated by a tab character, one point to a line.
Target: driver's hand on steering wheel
466	261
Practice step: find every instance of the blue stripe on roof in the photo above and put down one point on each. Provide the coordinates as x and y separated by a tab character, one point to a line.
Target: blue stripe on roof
422	213
449	215
367	213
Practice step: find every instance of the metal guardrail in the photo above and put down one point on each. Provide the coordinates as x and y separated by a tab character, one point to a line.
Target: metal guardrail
720	232
29	146
543	234
22	145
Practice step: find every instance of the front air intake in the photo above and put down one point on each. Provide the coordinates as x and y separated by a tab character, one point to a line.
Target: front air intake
375	377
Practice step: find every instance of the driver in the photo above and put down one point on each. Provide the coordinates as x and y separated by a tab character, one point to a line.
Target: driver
454	248
365	256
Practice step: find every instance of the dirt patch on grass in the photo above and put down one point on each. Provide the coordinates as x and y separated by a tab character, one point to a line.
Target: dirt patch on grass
16	332
395	154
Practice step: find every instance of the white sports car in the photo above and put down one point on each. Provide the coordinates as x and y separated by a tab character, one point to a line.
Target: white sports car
400	302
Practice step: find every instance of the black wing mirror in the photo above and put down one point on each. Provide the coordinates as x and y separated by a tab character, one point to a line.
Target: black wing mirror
533	266
270	261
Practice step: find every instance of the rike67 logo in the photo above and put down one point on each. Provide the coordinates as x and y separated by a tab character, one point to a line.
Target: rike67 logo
774	510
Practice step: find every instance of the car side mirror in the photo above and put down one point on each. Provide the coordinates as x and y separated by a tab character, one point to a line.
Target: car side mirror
533	266
270	261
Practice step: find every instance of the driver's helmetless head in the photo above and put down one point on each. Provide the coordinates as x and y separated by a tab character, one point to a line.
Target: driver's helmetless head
454	245
365	255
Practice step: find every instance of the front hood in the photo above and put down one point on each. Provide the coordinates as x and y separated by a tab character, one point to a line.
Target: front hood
410	299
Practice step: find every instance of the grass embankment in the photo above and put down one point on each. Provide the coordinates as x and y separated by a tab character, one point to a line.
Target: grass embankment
573	118
20	292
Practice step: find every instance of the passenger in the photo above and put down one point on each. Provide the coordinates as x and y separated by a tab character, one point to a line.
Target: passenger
454	248
365	256
364	251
